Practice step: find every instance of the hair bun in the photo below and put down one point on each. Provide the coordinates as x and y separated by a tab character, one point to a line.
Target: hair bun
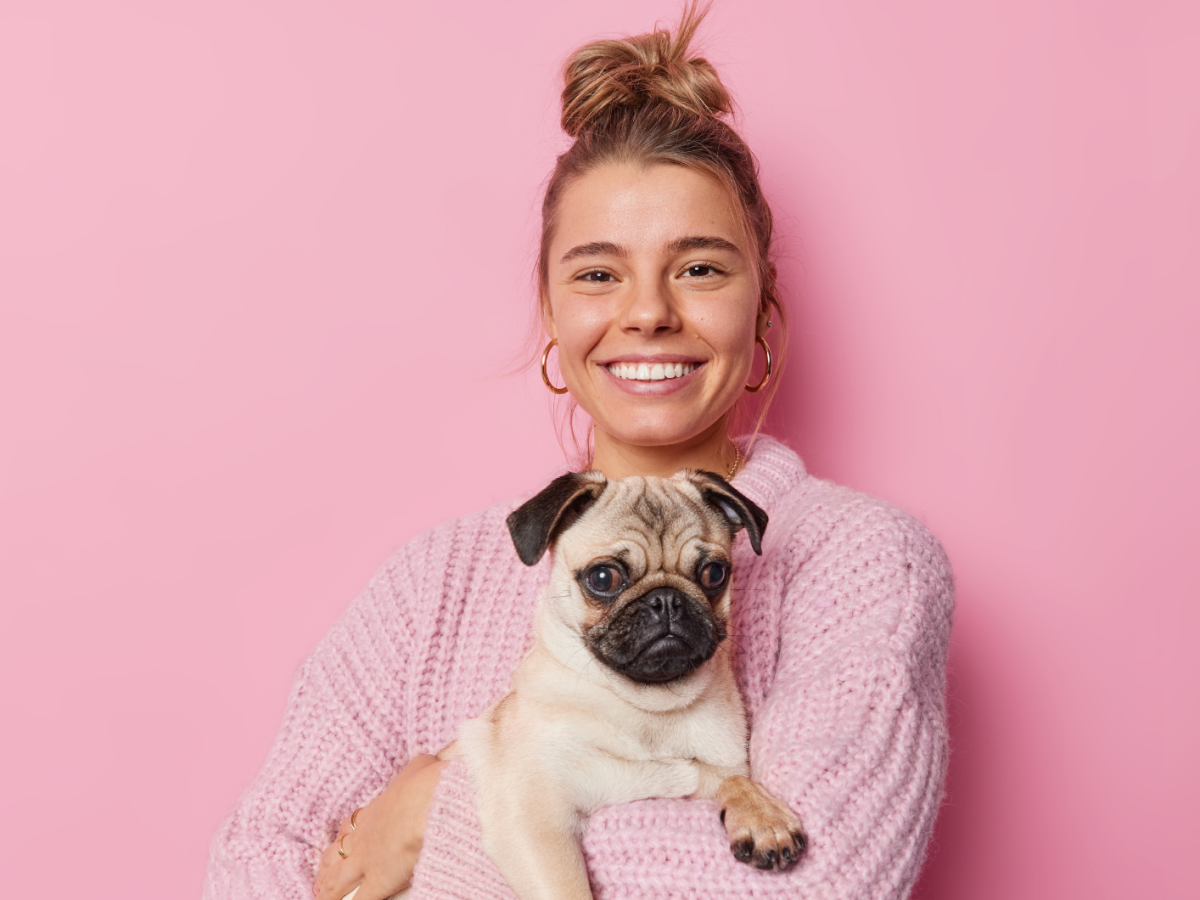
607	79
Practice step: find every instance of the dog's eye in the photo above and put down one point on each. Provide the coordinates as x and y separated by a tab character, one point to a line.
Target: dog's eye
605	579
713	575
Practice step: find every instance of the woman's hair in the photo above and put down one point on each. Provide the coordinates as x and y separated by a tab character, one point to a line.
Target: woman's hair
645	99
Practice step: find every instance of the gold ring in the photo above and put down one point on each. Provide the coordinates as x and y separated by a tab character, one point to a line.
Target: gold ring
354	818
341	847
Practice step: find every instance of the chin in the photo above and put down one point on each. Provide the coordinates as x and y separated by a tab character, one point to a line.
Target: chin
677	694
644	428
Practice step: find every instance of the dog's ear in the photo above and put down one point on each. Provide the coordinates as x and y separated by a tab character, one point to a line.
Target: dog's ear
535	523
737	509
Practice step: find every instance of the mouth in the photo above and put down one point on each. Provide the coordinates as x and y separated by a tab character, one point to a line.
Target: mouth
651	371
652	377
655	654
667	647
662	659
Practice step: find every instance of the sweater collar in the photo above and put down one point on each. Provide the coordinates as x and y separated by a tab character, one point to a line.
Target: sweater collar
770	471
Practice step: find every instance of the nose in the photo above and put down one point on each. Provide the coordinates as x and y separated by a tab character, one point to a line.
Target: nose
650	310
665	604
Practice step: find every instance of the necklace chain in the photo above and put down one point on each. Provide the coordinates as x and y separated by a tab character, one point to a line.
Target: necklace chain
737	461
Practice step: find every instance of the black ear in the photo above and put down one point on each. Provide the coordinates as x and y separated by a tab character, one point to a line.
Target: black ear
738	510
534	524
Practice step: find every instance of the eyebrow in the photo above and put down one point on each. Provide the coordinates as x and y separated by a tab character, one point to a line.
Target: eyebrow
595	248
681	245
701	243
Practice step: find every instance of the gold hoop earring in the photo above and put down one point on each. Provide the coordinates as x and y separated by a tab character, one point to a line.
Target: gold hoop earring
755	388
545	377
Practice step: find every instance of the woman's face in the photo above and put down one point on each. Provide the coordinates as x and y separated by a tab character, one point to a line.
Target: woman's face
654	300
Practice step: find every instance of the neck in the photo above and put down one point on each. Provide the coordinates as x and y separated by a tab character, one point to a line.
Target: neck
711	450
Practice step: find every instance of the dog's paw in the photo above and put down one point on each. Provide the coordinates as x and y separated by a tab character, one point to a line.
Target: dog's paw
762	831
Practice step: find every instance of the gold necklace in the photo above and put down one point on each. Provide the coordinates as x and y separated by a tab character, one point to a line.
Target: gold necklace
737	460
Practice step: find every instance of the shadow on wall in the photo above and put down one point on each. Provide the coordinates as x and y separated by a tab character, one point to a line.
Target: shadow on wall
946	875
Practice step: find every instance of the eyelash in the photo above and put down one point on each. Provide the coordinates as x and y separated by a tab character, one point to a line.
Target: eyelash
586	276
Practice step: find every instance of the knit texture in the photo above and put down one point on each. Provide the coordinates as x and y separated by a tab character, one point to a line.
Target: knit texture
839	638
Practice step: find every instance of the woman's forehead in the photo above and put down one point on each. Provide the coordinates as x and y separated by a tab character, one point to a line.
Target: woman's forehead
624	209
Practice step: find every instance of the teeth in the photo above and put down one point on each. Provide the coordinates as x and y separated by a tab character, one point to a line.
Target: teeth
648	372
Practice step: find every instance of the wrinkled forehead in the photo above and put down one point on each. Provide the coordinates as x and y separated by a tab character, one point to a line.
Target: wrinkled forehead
654	522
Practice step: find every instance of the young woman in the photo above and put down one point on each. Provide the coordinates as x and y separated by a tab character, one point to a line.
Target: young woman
657	292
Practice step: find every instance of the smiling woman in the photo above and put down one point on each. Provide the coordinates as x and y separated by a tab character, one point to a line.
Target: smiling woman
646	276
656	284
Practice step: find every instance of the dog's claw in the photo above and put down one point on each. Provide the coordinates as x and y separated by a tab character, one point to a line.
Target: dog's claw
768	860
743	850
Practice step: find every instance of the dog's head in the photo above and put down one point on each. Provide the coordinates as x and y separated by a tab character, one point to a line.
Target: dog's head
642	566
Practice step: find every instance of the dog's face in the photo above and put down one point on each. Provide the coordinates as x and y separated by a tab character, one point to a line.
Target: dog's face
642	566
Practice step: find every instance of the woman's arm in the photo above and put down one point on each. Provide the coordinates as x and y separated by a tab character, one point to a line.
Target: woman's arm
850	733
341	742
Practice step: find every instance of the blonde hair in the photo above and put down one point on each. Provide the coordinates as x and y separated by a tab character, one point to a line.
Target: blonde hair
645	99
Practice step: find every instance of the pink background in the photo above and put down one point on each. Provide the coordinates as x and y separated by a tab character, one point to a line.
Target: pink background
264	264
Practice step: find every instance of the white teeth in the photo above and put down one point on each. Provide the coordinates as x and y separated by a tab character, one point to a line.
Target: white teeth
651	372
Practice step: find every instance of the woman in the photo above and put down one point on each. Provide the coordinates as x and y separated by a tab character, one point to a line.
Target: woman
657	289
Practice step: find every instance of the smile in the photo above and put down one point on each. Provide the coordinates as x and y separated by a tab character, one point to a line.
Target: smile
651	371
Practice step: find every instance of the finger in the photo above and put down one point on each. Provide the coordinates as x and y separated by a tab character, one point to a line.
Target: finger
369	890
334	871
343	828
340	880
329	859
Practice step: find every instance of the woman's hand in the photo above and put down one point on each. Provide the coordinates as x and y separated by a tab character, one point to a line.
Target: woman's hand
381	850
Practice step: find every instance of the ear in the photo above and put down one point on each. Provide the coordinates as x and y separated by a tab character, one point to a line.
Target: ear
535	523
738	510
547	313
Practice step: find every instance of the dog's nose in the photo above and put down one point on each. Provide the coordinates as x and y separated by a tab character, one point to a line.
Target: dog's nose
665	603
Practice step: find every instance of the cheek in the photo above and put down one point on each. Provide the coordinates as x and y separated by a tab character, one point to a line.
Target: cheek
725	320
731	336
579	327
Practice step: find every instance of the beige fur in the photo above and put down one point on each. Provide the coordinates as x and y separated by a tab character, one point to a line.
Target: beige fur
575	735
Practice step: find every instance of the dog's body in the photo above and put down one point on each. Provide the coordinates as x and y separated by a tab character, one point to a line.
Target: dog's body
624	695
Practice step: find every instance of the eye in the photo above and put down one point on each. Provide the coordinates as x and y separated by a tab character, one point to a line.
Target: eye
596	276
701	270
605	579
713	575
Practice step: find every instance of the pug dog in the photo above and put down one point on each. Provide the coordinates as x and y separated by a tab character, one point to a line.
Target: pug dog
624	695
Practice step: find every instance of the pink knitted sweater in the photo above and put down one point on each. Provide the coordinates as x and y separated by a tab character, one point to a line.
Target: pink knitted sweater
839	636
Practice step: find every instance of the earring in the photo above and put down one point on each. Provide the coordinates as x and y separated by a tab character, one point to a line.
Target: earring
755	388
545	377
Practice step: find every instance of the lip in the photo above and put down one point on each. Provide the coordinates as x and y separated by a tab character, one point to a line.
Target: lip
651	388
651	358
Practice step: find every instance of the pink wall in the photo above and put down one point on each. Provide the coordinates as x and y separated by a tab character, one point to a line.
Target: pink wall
263	263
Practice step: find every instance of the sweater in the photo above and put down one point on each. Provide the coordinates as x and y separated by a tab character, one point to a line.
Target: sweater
838	632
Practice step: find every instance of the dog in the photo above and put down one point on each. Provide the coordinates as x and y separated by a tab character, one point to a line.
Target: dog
624	695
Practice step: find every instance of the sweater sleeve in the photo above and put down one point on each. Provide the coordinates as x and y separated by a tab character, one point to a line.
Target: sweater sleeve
850	733
340	743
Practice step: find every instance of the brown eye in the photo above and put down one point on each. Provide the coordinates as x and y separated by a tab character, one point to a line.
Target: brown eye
605	579
713	575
